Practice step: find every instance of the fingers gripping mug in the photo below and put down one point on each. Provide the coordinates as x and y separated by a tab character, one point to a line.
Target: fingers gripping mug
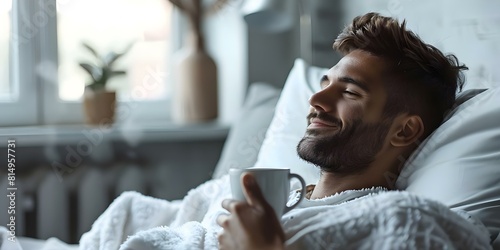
274	184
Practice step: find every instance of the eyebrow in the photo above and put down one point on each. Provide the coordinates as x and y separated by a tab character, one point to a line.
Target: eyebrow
358	83
347	79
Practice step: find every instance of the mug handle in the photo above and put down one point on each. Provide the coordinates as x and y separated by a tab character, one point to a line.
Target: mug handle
302	193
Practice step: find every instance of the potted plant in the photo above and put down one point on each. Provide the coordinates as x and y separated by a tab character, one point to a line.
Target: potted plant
100	103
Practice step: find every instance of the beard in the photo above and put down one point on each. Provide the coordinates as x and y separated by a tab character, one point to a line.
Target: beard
348	150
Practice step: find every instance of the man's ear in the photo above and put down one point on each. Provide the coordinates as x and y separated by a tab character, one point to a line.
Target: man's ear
409	129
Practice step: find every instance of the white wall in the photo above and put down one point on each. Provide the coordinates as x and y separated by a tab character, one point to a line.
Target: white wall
465	28
225	34
468	29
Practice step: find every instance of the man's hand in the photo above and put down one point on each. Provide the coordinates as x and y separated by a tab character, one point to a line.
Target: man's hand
252	224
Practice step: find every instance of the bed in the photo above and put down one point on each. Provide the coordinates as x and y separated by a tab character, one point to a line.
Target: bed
444	169
458	165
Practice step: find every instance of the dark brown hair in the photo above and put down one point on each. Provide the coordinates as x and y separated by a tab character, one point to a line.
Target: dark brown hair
419	80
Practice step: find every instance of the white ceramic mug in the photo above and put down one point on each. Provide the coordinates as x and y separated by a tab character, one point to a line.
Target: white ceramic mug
274	184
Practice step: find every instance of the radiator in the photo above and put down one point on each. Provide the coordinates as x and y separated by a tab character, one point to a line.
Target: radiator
47	206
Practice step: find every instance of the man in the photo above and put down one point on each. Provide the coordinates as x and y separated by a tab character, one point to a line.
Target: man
388	92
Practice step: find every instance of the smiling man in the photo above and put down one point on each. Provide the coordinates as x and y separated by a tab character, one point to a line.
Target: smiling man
347	127
388	92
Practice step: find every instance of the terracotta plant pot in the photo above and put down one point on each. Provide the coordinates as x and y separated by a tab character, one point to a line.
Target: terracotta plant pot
99	107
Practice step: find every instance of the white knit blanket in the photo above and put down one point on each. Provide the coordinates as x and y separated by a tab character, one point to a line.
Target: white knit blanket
134	221
363	219
381	220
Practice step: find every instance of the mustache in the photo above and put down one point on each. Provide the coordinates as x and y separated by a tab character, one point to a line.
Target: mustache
325	117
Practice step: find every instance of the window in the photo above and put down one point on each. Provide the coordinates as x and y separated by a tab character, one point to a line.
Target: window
18	101
46	40
112	25
5	85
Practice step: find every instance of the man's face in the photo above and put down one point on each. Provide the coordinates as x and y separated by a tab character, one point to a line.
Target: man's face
345	126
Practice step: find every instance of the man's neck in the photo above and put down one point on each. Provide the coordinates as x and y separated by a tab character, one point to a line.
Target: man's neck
332	183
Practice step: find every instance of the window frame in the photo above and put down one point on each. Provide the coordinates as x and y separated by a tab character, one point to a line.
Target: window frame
22	101
37	92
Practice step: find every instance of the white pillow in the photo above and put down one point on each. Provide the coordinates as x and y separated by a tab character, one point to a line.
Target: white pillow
248	132
289	123
458	165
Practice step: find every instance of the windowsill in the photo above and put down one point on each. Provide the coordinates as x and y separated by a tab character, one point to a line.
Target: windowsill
132	133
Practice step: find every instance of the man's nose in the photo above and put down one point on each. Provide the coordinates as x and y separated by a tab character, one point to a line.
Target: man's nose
324	100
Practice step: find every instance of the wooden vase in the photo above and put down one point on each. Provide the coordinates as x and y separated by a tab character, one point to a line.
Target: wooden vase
195	94
99	107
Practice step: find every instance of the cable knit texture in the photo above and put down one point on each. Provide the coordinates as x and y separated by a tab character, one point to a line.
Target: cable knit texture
382	220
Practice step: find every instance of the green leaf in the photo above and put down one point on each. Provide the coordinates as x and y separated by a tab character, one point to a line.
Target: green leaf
105	75
102	72
118	73
110	58
92	50
96	86
93	71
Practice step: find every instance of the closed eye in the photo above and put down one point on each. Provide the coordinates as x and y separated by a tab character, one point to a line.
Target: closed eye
358	83
351	93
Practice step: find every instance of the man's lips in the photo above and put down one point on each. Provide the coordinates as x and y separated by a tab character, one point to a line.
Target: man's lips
318	123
